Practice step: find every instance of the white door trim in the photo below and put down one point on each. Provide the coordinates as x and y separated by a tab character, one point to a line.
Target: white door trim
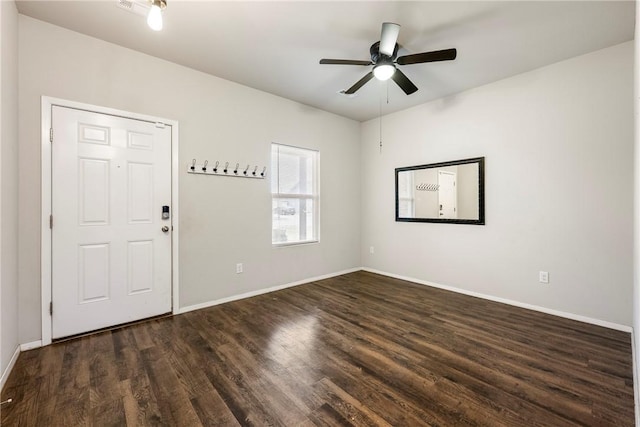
45	247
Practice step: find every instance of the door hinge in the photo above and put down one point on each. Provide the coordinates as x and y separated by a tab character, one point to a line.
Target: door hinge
50	134
51	308
51	221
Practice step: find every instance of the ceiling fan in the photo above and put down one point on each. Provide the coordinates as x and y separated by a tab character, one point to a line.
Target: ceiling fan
384	60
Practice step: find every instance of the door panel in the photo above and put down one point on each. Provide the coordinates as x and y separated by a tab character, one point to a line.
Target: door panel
140	267
93	273
140	191
111	262
447	195
93	194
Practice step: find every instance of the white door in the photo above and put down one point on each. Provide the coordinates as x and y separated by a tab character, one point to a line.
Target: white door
111	248
447	195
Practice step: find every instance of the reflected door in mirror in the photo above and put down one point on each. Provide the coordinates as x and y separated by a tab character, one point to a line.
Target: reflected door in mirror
441	192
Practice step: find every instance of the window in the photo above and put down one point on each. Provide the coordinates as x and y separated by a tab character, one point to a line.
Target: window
294	190
406	202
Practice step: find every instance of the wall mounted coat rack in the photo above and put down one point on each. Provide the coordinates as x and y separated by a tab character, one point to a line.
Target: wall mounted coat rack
428	187
226	169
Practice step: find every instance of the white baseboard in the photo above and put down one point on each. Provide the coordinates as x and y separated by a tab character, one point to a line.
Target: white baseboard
7	371
30	345
188	308
636	386
558	313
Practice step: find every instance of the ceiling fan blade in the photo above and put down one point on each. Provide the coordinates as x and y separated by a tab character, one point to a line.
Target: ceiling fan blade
345	62
359	83
403	81
388	38
435	56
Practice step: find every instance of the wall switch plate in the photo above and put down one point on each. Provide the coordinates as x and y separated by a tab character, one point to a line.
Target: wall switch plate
239	268
371	249
544	277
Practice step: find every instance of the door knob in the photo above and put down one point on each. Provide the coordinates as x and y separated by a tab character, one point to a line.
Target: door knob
165	229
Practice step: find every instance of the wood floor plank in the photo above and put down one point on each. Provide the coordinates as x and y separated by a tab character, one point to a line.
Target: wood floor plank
327	416
279	407
140	403
354	350
205	399
350	408
127	353
110	413
209	416
174	405
278	378
73	395
365	385
104	378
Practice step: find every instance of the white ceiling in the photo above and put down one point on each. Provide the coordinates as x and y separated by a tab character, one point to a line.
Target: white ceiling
276	46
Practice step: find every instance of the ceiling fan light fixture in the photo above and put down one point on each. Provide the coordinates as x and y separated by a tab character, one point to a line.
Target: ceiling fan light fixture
154	19
384	72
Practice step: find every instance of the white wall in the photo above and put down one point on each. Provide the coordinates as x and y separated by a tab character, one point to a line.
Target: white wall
223	221
636	219
558	143
8	183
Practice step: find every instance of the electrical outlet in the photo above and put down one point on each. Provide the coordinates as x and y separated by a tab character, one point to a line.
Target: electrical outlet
371	249
239	268
544	277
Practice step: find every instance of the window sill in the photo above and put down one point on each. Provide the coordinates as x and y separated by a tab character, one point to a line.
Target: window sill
288	244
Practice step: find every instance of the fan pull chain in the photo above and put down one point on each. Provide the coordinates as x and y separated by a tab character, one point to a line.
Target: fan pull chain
387	92
387	87
381	125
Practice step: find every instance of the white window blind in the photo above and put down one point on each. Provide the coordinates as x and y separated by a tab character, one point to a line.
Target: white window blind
295	198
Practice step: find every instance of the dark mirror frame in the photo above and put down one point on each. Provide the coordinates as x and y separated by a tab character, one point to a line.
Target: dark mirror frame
481	218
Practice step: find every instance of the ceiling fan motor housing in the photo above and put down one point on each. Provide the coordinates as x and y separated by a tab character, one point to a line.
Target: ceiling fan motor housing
377	57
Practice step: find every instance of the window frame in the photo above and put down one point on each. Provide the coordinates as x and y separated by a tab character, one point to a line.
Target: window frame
407	196
314	195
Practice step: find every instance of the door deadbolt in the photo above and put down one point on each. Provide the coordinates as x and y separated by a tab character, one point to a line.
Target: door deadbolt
165	229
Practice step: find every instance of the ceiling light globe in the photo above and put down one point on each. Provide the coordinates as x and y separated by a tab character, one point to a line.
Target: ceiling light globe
154	19
384	71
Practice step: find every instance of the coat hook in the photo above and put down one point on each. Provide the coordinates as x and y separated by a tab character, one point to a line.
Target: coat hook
245	171
204	166
263	171
254	171
215	168
235	171
193	164
226	167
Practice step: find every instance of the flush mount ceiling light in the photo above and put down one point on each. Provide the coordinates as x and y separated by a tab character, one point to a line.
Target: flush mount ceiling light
154	19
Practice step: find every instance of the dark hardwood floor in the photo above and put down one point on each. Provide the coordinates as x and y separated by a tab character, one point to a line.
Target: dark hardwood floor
359	349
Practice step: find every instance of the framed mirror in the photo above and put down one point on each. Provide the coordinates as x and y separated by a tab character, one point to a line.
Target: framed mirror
447	192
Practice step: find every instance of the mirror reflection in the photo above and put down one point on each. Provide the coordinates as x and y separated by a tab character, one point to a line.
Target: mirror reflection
441	192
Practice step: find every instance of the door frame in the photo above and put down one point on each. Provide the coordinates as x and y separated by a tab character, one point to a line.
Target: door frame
46	199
